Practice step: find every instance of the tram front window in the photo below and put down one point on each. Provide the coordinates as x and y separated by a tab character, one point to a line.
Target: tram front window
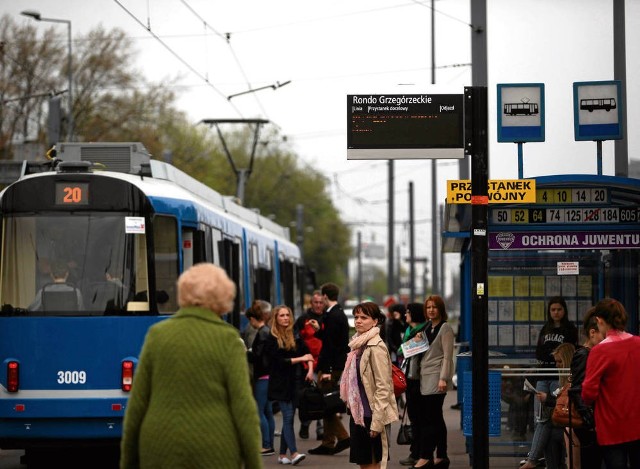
97	255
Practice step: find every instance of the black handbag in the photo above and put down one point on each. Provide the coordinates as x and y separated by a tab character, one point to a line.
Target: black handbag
405	434
311	405
333	403
316	403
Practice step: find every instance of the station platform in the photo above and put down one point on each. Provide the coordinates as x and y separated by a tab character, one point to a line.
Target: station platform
456	446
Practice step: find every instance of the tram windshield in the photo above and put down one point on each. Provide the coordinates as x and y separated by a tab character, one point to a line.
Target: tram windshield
70	264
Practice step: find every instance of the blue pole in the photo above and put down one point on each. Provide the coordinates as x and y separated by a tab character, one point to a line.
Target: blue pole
520	160
599	153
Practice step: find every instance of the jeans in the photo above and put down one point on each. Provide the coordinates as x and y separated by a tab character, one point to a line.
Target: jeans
541	436
544	427
265	411
288	438
616	456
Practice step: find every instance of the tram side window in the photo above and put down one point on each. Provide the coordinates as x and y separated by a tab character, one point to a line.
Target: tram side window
165	232
264	286
231	261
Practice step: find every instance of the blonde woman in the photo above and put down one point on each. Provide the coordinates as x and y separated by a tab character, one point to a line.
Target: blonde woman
286	355
554	448
367	388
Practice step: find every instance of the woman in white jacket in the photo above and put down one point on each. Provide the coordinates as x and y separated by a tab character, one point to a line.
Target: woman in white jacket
367	388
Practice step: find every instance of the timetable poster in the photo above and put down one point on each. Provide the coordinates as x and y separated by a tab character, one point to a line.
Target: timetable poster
518	304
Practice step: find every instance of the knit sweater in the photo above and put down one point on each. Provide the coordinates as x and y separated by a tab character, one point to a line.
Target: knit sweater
191	404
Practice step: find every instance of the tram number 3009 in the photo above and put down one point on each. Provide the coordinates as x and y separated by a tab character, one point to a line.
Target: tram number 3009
72	377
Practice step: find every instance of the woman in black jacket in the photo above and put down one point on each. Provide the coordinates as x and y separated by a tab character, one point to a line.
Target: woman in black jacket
286	354
590	454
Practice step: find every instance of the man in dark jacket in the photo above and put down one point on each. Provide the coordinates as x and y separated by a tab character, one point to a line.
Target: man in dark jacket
334	334
306	331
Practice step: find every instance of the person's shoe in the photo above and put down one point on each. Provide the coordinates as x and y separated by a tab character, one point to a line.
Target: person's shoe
427	465
442	464
304	432
408	461
268	452
284	460
298	458
319	436
322	449
456	406
341	445
527	464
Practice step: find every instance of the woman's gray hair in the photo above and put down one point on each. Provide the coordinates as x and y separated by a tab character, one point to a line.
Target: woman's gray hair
208	286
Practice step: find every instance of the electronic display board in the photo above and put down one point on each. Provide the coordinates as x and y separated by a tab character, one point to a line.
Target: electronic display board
405	126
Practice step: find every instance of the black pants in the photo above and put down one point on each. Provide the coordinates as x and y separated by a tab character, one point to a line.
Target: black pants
412	395
433	430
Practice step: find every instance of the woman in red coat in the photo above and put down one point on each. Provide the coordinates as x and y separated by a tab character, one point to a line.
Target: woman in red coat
611	384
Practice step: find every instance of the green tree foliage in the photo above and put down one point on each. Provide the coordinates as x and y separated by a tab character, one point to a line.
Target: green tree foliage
114	102
276	184
30	70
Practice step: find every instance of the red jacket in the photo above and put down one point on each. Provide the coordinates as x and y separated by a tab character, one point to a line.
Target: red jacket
307	334
612	382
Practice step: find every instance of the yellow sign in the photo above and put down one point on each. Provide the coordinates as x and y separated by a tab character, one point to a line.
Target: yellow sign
505	191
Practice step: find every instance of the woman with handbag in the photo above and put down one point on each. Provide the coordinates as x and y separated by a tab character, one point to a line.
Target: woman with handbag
557	330
554	449
367	388
286	354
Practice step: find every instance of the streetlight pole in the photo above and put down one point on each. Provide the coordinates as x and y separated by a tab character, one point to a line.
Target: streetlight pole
36	16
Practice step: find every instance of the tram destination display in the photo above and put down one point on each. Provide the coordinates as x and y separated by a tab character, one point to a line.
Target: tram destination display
405	126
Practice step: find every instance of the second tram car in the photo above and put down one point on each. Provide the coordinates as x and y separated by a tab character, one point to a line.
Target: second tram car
123	236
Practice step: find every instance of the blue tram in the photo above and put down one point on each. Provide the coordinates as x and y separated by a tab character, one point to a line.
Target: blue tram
123	234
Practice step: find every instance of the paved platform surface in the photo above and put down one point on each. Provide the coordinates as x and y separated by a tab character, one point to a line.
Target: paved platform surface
456	445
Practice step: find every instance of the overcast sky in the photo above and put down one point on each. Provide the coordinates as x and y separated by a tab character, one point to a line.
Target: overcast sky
334	48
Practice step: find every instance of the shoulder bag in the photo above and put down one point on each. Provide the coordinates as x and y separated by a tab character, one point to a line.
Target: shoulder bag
399	380
565	413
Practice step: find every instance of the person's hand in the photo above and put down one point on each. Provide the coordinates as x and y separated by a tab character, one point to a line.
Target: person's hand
324	376
373	434
309	377
442	385
314	324
307	357
542	396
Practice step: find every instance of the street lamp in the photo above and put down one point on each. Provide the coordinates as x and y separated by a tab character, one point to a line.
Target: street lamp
36	16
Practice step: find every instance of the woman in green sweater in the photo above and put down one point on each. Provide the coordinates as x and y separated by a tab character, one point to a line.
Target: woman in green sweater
191	389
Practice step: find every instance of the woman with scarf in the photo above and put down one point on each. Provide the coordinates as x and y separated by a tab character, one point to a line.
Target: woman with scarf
367	388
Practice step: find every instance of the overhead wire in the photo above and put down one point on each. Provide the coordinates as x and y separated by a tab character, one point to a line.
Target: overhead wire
227	38
177	56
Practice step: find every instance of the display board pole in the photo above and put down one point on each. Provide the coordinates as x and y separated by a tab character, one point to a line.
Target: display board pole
477	145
